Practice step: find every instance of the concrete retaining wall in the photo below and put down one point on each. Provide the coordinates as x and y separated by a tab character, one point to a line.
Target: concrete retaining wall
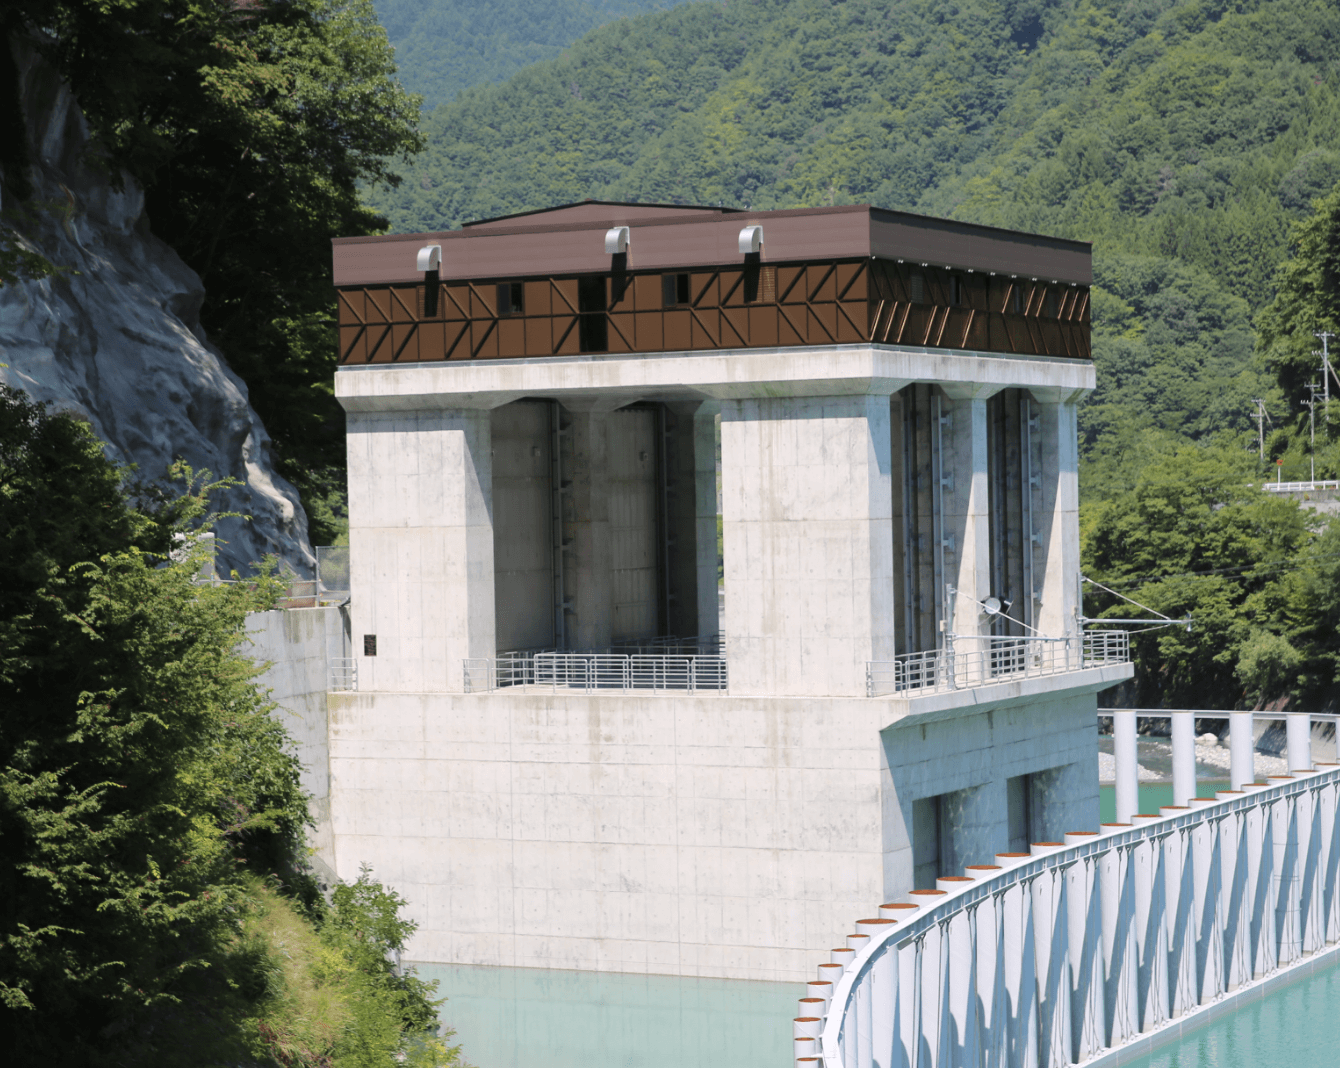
298	645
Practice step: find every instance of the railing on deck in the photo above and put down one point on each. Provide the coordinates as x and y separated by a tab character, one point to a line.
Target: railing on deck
343	673
1087	946
597	672
978	661
1299	487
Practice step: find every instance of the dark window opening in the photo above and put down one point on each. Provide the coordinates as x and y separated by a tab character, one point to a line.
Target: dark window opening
928	833
428	296
760	282
917	289
1049	304
511	298
1016	300
955	290
1019	812
593	330
369	645
675	290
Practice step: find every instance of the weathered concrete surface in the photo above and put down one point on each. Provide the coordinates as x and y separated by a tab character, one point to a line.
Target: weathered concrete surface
807	516
296	647
120	344
712	835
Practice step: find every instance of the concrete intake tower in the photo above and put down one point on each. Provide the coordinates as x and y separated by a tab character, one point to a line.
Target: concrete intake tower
560	749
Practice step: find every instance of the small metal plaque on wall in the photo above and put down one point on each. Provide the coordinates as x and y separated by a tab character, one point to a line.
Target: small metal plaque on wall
369	645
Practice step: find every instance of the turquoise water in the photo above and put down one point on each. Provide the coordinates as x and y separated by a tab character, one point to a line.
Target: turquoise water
534	1018
1152	795
1297	1026
529	1018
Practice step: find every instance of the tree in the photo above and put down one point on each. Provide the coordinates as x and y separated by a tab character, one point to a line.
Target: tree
1307	301
146	792
1193	535
138	765
252	128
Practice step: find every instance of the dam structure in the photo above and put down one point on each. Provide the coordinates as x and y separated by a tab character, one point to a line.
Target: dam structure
549	736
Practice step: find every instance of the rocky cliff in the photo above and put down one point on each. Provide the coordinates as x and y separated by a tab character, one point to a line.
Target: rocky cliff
116	337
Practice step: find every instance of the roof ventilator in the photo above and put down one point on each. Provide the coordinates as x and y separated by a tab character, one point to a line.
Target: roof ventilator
430	257
751	239
616	240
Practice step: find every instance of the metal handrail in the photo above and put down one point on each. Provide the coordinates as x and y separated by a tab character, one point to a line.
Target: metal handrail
1298	487
1029	899
344	673
969	660
596	672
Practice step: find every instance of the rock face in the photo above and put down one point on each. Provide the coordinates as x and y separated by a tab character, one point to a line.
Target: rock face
120	342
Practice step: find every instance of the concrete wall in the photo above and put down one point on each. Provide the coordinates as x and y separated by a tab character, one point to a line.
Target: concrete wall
298	646
711	836
968	760
421	545
807	513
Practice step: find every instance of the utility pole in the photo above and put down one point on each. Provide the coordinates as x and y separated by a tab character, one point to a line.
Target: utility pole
1312	428
1261	418
1324	336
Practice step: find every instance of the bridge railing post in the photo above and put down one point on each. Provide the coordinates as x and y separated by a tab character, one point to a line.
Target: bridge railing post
1242	746
1298	736
1126	755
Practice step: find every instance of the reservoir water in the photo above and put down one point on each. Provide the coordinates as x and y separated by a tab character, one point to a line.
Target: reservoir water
536	1018
531	1018
1297	1026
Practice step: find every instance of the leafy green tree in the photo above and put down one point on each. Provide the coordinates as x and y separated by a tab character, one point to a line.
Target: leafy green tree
444	46
1182	137
252	127
1194	536
138	765
1307	301
145	789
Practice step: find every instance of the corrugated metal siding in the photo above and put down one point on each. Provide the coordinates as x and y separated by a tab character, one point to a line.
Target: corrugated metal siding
523	578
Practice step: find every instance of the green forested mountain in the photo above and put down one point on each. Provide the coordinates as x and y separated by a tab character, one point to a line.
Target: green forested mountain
1183	137
444	46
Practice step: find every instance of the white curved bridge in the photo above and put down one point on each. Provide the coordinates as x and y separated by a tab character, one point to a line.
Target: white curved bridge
1094	950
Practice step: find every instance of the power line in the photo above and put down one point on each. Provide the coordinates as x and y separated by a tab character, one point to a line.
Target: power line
1258	569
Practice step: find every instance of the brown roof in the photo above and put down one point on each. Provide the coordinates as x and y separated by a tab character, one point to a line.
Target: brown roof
587	211
569	240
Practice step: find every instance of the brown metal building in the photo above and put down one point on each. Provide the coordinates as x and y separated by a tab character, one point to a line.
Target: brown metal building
543	284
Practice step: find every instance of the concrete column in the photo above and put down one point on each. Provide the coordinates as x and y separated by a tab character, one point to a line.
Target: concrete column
420	546
977	826
1126	752
1242	749
691	521
1056	522
806	499
1183	757
1298	727
967	515
586	522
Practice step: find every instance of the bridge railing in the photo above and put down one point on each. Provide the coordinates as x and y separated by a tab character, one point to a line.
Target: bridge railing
966	661
1088	945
